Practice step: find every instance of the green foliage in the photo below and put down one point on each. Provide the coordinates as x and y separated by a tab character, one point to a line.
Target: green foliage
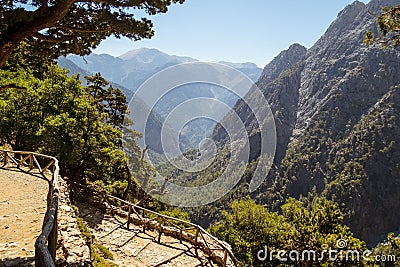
177	213
389	26
105	252
95	249
85	232
109	101
76	209
54	28
80	126
24	58
249	228
390	250
99	261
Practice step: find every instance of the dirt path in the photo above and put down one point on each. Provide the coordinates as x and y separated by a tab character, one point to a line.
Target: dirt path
131	247
22	209
134	248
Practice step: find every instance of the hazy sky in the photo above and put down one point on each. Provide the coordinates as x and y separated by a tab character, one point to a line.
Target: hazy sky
235	30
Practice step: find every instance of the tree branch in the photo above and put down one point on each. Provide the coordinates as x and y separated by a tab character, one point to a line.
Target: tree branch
107	2
385	40
49	39
66	28
45	3
147	173
11	86
44	17
161	191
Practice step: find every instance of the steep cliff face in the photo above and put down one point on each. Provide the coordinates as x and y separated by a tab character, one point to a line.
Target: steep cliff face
336	109
279	83
363	169
340	70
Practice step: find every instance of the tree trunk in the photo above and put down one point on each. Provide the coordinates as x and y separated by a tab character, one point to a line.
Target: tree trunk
129	187
43	17
76	175
6	51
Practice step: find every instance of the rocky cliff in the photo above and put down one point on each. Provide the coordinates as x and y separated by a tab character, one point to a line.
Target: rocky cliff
336	109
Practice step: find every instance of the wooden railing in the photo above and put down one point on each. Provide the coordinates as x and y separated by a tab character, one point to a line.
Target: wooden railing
218	251
180	229
46	243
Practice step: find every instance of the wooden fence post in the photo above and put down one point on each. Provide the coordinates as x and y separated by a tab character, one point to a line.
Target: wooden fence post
225	258
196	244
5	158
30	161
52	240
197	236
160	230
129	217
38	258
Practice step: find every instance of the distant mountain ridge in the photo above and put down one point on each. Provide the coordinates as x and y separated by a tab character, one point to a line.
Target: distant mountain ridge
152	55
133	68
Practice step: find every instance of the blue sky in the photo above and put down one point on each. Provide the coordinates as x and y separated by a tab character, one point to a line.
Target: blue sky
234	30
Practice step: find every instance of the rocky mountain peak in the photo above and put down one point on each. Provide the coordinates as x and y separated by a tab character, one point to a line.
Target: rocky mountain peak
282	62
350	26
351	10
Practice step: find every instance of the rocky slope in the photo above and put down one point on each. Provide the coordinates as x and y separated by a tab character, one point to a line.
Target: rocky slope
279	82
336	111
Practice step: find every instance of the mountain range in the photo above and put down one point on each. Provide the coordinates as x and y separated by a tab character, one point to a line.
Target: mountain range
130	70
336	107
337	114
135	67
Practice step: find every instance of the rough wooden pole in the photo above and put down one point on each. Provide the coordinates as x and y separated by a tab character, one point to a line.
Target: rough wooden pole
197	236
160	230
53	238
225	258
129	217
196	242
5	158
30	161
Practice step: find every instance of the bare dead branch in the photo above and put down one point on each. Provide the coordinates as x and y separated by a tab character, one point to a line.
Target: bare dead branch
146	171
161	191
389	39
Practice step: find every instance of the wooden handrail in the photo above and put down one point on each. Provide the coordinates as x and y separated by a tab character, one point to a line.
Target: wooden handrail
205	245
46	243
